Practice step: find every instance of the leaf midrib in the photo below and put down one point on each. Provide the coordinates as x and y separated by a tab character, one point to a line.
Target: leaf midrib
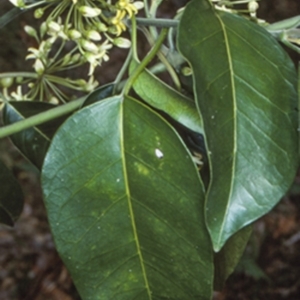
126	182
219	242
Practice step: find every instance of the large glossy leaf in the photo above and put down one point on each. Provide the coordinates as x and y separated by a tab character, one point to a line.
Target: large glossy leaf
11	197
125	204
246	93
161	96
32	142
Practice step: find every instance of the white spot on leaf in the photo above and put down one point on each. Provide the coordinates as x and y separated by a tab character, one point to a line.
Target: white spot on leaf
158	153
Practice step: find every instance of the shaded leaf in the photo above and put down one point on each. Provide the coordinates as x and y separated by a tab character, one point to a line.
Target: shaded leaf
125	204
100	93
227	259
33	142
161	96
246	92
11	197
10	15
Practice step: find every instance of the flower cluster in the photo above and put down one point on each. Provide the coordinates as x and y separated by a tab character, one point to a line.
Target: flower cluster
92	28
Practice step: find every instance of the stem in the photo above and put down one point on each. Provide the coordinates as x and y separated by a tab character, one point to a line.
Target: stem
157	22
145	61
146	8
19	74
41	118
134	37
123	69
170	70
162	56
35	4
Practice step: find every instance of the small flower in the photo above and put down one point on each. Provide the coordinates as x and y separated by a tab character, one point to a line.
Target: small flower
117	21
18	95
93	60
34	53
96	59
90	85
42	52
128	6
55	29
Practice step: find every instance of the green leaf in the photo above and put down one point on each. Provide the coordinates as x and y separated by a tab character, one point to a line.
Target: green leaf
163	97
11	197
227	259
9	16
33	142
125	204
246	93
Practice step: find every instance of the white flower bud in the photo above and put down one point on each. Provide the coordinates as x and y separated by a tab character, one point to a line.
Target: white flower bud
6	82
39	67
74	34
89	12
19	79
53	100
101	26
67	58
75	58
138	5
43	29
30	31
186	71
38	13
93	35
54	27
89	46
253	6
122	42
80	82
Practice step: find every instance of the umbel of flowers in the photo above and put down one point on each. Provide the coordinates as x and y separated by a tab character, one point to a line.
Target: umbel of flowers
93	26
